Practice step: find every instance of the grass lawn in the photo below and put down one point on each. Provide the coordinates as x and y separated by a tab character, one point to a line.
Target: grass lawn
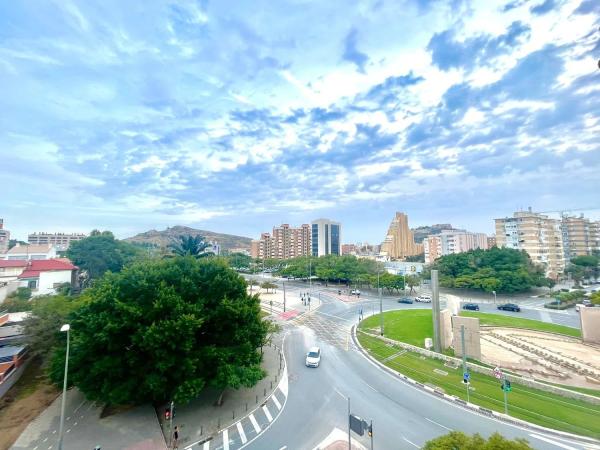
533	405
411	325
511	321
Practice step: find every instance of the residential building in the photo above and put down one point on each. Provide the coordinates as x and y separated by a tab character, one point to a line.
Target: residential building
491	241
349	249
4	238
580	236
27	252
283	243
59	240
399	242
539	235
452	241
326	237
44	276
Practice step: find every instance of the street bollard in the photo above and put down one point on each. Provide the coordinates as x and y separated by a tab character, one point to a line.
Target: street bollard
219	423
201	431
265	392
233	414
246	406
257	399
271	385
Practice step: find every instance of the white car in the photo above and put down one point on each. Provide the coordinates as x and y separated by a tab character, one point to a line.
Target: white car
354	292
313	357
423	298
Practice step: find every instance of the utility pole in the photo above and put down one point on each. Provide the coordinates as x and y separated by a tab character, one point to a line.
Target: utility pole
309	275
64	328
435	309
371	433
380	306
494	292
505	389
349	439
171	424
464	360
283	283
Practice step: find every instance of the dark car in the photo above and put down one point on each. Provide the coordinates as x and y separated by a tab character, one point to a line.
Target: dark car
510	307
406	300
471	306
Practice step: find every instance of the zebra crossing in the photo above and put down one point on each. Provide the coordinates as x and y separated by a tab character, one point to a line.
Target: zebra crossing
242	432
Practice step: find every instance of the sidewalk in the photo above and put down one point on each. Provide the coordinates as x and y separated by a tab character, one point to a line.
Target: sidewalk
201	419
273	302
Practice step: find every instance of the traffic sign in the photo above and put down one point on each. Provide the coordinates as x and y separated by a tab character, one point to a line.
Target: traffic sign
466	377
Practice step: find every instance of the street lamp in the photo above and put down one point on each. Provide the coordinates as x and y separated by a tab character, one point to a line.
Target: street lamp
494	292
380	305
66	327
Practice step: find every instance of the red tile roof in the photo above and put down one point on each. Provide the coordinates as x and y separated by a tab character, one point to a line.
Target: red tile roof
30	274
36	266
13	263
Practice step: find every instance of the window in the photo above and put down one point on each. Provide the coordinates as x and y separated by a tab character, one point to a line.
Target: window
32	284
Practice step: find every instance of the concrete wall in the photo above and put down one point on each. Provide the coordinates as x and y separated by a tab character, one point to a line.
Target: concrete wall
446	328
7	289
48	279
472	338
590	325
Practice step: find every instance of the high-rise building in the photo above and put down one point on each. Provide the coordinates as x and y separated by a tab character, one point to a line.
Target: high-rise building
4	238
59	240
491	241
399	242
452	241
285	242
539	235
326	237
580	236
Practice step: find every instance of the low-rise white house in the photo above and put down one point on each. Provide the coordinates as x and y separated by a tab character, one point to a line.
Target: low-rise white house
44	276
30	252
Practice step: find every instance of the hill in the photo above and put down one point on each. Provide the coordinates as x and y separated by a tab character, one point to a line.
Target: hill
164	237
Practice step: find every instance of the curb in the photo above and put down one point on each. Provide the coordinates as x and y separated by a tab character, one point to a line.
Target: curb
470	406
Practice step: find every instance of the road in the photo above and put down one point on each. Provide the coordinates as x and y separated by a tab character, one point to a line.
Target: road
403	417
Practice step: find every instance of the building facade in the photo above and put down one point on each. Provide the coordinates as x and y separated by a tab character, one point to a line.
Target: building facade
580	236
452	241
399	242
285	242
27	252
59	240
539	235
4	238
326	237
491	241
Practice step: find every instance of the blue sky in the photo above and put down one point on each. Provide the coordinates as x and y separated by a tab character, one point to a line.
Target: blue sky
236	116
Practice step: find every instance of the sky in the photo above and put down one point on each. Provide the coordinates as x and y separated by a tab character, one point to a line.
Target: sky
235	116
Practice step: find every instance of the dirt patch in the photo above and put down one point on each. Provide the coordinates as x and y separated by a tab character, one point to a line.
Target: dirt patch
32	394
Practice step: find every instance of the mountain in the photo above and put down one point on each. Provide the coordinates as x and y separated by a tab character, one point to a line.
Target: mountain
421	233
165	237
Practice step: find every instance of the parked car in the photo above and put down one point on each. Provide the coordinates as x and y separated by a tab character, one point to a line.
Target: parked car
407	300
471	306
510	307
354	292
313	357
424	298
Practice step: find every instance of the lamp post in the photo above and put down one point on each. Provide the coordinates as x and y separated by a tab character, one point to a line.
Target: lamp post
494	292
380	305
66	327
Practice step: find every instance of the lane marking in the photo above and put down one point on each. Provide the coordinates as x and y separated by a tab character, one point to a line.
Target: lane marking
206	446
276	402
438	424
283	448
411	443
80	405
225	439
553	442
241	432
254	423
45	440
341	395
267	413
372	387
69	430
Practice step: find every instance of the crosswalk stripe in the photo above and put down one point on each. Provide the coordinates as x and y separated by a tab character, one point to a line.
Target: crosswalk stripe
254	423
225	439
206	446
276	402
241	432
267	413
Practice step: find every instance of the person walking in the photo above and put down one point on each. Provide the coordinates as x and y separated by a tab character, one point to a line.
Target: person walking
175	438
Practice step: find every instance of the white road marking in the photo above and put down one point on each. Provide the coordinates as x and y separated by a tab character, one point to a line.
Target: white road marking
411	443
371	387
69	418
75	424
439	424
80	405
341	395
267	413
283	448
241	432
254	423
69	430
553	442
225	439
53	431
206	446
35	448
276	402
45	440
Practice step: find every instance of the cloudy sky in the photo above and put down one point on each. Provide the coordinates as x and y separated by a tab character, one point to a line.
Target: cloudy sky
235	116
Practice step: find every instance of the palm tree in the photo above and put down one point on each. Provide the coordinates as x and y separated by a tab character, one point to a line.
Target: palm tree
195	246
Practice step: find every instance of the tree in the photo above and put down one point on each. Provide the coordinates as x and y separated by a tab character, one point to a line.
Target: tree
164	329
18	301
595	298
194	246
416	258
13	242
412	281
268	285
457	440
101	252
239	261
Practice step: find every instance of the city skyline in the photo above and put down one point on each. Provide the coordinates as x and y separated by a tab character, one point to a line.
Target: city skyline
194	113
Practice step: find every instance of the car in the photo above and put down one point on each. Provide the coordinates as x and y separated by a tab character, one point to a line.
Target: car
354	292
424	298
406	300
510	307
471	306
313	357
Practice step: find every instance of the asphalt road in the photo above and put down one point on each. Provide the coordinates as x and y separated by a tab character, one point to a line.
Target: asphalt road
403	416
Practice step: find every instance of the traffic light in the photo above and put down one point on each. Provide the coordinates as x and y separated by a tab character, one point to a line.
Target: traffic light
507	386
370	430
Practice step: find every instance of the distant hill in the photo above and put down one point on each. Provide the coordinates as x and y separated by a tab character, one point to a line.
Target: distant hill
165	237
421	233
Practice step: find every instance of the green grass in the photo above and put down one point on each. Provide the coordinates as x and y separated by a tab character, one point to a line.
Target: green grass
411	326
511	321
532	405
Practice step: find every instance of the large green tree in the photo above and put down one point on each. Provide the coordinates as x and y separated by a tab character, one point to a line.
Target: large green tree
165	329
457	440
195	246
101	252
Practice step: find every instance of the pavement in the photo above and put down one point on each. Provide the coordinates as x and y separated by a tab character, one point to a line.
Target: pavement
135	429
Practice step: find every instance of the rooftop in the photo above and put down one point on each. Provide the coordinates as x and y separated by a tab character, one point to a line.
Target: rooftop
19	249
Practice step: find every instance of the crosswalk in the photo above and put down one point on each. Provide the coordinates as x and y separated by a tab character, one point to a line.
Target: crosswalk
245	430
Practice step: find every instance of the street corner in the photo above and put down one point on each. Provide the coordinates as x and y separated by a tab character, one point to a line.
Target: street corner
338	440
288	315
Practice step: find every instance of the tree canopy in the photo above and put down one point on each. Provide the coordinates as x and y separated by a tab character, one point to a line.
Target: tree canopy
195	246
101	252
164	329
496	269
457	440
346	268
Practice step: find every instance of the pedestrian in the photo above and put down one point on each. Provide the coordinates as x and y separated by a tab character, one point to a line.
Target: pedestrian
175	438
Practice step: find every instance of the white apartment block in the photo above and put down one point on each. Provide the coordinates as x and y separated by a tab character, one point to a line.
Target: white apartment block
59	240
452	241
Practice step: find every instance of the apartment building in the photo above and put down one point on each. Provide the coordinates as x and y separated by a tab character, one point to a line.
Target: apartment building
491	241
539	235
452	241
59	240
399	241
326	237
4	238
283	243
580	236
